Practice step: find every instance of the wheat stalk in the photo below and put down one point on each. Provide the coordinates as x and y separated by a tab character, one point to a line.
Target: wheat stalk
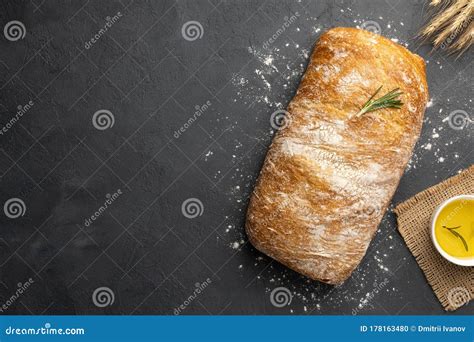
452	25
465	40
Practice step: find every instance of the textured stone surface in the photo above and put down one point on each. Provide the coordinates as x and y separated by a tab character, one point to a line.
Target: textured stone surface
245	66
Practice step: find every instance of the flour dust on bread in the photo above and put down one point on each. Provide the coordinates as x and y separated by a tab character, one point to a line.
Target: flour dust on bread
330	174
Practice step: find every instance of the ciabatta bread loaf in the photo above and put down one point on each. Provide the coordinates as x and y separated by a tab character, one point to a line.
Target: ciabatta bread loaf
329	174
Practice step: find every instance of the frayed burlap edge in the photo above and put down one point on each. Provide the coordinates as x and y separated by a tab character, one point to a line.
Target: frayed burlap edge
452	284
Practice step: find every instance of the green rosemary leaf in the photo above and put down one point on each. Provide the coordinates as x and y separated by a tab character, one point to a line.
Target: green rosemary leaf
452	227
455	233
389	100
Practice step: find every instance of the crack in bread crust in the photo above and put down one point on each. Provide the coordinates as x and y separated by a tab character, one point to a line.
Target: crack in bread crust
328	176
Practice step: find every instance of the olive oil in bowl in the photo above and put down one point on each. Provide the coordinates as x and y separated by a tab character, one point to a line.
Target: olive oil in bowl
453	230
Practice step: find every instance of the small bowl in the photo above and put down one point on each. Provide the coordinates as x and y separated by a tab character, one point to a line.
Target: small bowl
454	260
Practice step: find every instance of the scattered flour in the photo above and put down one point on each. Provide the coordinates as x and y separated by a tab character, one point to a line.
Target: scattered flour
270	72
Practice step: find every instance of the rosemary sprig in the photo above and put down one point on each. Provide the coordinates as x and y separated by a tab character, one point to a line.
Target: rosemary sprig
389	100
455	233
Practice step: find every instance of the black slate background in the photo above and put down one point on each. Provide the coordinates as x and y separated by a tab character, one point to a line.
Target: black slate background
150	78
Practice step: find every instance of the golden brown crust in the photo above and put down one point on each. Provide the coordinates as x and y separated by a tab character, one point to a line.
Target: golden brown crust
328	176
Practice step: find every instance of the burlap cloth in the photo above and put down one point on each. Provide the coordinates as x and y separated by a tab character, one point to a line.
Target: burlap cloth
452	284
